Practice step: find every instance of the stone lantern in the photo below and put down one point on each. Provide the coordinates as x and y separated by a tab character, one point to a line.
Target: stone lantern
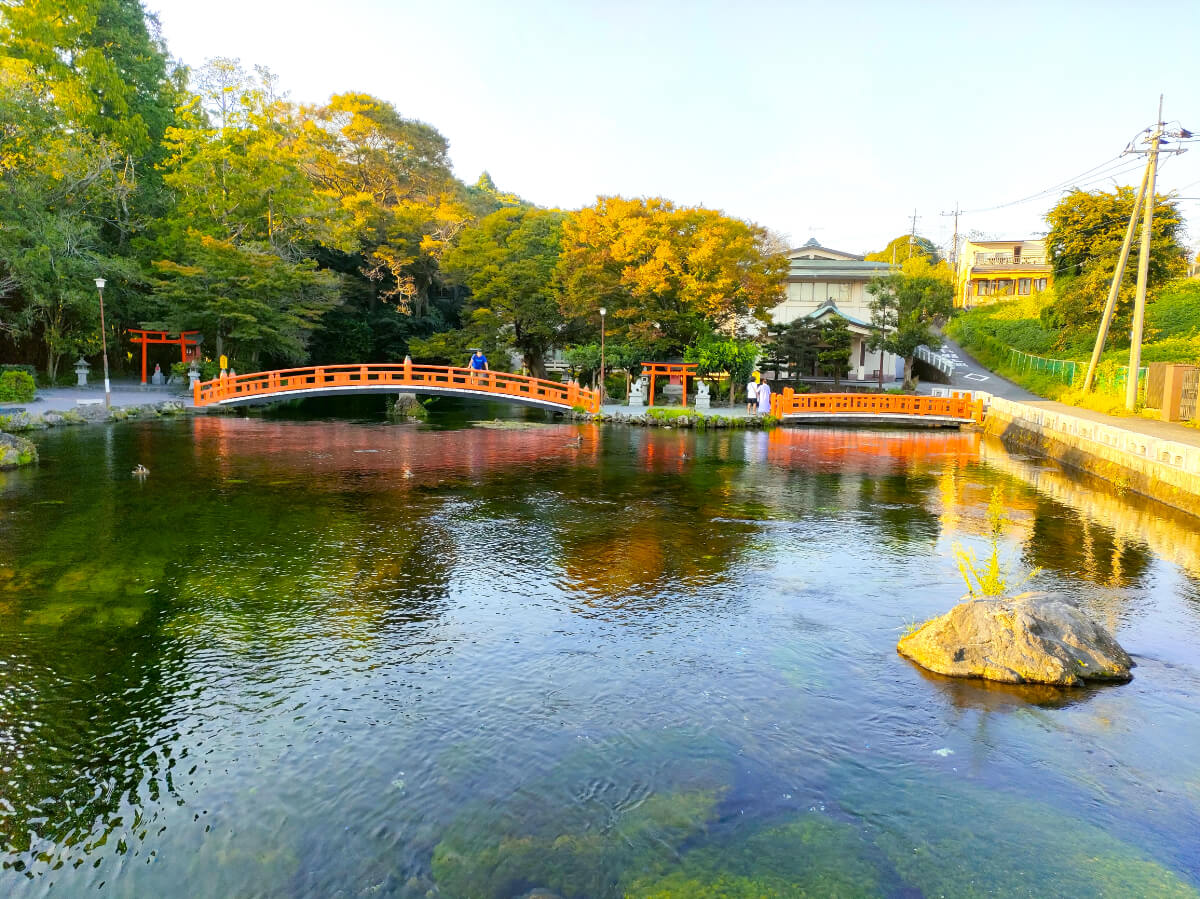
81	372
193	374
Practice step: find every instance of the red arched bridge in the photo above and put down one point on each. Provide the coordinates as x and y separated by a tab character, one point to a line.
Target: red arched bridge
436	380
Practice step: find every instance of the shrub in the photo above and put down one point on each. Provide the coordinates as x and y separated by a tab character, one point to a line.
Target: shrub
17	387
990	578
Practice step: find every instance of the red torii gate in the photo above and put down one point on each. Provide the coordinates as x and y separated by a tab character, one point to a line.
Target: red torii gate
189	344
681	370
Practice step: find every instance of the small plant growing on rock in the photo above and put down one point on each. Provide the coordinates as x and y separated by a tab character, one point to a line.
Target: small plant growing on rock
990	578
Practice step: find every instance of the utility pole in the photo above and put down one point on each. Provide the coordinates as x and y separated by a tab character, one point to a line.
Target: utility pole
954	247
1115	290
912	236
1139	303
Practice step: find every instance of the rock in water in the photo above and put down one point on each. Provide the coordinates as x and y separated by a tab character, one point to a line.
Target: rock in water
1031	638
16	451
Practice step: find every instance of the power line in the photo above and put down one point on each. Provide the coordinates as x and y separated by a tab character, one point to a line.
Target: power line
1115	162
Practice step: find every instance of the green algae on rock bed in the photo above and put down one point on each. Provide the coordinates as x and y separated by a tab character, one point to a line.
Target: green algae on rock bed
953	838
812	855
589	823
577	857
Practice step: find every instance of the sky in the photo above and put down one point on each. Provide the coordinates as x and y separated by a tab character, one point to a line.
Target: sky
833	121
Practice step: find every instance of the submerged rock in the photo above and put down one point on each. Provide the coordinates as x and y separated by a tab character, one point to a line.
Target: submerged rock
16	451
1031	638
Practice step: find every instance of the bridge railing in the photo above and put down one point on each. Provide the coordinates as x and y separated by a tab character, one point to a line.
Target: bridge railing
788	402
325	377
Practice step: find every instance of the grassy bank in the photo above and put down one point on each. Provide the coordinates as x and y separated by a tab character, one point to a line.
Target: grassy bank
991	333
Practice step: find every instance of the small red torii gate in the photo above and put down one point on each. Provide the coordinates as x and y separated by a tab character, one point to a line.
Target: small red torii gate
189	344
681	370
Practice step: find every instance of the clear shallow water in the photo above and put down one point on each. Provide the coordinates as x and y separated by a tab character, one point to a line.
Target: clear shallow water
322	657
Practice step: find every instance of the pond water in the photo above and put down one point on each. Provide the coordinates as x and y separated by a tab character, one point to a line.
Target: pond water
327	657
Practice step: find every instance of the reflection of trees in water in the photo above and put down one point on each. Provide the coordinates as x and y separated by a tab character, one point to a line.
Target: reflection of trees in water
83	740
112	587
1073	544
1109	521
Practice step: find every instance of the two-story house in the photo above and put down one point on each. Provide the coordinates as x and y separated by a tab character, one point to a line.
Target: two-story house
989	270
822	282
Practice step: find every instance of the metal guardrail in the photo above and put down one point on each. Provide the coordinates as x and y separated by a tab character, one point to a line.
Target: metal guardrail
937	360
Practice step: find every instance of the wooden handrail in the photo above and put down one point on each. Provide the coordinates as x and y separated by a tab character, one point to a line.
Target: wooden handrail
788	402
442	377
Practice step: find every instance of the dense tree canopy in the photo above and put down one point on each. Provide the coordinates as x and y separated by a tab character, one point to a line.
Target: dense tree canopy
663	271
906	247
508	262
1084	245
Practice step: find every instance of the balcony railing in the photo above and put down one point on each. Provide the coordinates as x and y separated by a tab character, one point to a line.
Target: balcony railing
1007	260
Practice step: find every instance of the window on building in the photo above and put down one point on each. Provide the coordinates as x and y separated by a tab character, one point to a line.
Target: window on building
1023	285
862	352
1003	287
983	288
1039	285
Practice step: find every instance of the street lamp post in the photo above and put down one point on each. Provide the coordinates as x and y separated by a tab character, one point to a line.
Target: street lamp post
603	312
100	282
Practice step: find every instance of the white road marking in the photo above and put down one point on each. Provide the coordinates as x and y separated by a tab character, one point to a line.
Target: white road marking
972	376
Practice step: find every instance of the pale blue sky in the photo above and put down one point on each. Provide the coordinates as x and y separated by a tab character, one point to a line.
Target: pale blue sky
827	120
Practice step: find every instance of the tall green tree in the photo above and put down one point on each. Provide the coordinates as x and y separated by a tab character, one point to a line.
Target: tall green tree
103	67
258	307
904	309
236	168
666	273
56	184
1084	244
102	61
792	347
391	177
833	348
508	261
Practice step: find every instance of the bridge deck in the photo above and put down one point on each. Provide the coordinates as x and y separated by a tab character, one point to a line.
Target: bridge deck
437	380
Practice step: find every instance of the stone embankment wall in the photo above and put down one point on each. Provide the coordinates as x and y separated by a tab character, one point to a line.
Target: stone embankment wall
1164	470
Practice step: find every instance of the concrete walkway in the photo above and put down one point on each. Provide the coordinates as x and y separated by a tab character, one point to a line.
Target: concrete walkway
124	393
970	375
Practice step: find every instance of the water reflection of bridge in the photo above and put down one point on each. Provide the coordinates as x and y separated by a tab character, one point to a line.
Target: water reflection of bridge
404	457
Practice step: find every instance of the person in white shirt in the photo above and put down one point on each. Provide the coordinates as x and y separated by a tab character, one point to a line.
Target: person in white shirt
752	394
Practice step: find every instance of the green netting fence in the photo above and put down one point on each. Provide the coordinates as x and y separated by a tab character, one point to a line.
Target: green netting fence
1108	377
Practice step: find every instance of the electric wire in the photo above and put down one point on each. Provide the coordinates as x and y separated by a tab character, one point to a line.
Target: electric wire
1115	162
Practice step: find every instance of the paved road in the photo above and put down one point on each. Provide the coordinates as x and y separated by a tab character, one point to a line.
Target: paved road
970	375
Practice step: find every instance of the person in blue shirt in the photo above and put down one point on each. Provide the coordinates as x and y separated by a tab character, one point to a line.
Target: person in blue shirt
478	362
